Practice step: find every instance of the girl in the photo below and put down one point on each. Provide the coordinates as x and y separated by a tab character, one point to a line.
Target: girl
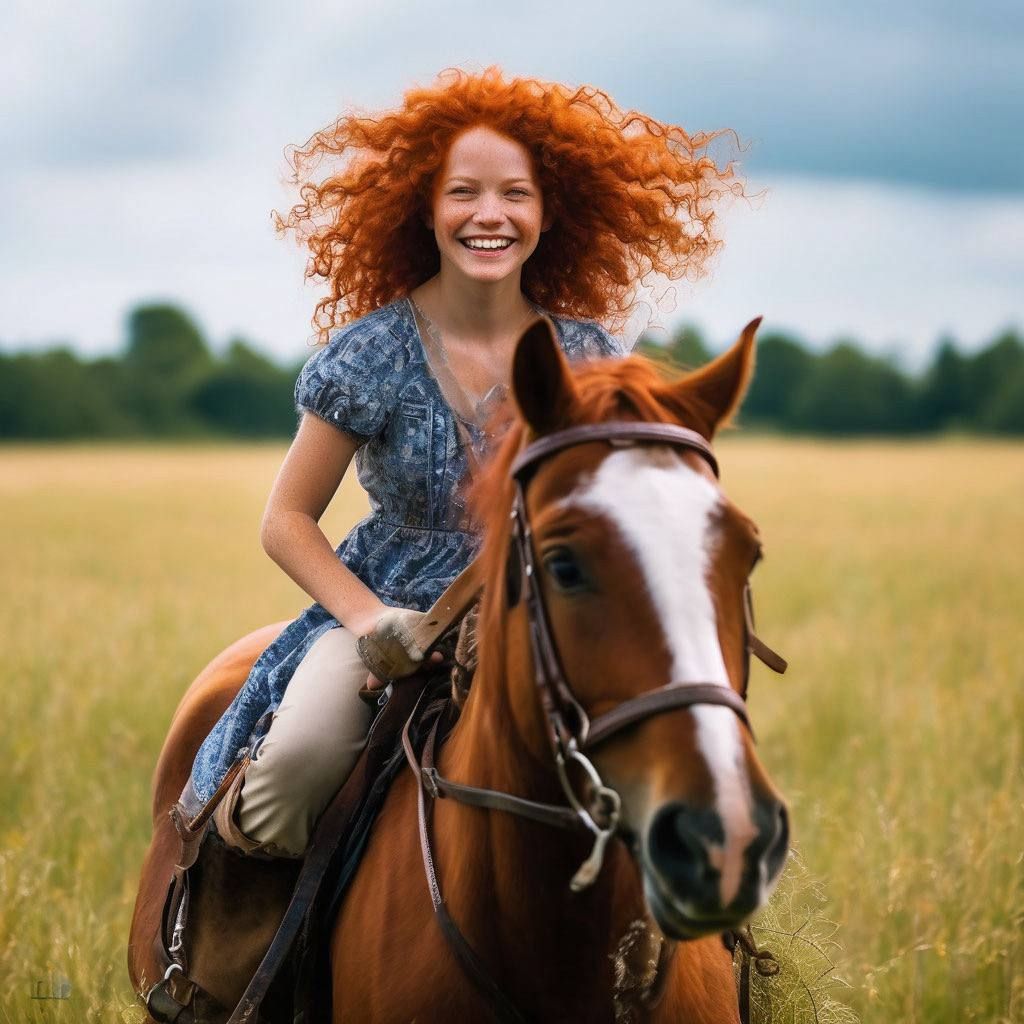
456	219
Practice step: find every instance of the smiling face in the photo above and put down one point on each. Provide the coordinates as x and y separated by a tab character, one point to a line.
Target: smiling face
487	213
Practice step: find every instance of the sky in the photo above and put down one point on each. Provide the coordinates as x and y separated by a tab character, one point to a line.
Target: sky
144	149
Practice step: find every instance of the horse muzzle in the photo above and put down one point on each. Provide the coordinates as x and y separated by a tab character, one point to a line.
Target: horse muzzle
695	882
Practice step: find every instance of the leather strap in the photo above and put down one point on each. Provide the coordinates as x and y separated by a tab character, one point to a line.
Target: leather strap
438	787
763	960
665	698
505	1010
456	600
764	653
755	645
494	800
614	433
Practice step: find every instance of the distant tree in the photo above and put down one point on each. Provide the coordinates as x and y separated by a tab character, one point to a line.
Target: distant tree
163	340
943	396
781	367
684	351
848	392
166	359
167	383
18	399
1004	412
109	377
988	371
247	395
687	348
53	395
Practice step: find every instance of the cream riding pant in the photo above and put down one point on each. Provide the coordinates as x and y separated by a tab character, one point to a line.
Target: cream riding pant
314	740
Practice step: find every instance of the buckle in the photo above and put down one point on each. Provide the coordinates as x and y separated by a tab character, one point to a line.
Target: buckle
429	777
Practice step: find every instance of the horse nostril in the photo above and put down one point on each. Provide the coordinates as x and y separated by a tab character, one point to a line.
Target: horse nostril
678	843
773	844
777	848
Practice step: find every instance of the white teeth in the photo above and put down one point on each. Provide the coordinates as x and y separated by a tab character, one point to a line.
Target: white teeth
487	243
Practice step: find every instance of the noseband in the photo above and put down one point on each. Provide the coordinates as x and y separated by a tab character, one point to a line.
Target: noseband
569	729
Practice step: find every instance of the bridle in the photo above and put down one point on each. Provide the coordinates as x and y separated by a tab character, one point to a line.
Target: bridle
570	731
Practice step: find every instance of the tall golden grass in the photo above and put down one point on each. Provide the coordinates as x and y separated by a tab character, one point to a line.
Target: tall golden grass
894	582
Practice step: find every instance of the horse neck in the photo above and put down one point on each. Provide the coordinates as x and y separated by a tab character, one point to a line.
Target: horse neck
506	879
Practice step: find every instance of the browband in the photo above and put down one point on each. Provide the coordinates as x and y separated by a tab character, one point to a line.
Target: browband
614	433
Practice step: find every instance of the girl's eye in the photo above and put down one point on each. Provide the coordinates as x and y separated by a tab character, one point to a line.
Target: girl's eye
511	191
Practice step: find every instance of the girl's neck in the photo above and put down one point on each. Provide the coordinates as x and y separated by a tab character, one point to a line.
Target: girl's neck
474	311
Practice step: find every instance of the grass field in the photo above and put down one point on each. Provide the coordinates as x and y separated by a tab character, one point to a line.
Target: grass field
894	583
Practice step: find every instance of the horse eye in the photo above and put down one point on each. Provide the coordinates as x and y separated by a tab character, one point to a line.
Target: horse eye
563	568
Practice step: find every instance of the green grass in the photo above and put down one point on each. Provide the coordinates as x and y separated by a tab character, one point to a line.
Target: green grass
894	583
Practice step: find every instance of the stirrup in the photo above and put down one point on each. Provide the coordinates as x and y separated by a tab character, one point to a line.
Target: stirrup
175	999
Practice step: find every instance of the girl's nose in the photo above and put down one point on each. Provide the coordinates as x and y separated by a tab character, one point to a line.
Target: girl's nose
488	210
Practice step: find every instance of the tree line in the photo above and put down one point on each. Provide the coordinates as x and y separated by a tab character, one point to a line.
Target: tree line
167	383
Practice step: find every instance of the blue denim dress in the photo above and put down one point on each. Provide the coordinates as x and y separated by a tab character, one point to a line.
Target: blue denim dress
372	380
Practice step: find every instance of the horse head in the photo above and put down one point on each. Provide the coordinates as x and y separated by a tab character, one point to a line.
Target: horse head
640	569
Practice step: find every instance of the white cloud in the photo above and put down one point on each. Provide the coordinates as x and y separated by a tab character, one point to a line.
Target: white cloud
890	266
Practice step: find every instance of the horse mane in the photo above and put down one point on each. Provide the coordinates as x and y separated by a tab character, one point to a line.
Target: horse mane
608	389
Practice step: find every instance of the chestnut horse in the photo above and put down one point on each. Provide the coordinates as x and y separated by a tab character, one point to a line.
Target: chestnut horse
642	563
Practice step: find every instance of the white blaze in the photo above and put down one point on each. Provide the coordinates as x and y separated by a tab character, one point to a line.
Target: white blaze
665	512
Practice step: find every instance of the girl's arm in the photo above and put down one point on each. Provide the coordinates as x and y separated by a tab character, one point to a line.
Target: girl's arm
307	481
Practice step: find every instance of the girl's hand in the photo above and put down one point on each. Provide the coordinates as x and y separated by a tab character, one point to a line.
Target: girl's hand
373	683
391	642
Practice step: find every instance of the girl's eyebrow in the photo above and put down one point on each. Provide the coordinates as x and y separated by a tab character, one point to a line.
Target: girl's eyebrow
476	181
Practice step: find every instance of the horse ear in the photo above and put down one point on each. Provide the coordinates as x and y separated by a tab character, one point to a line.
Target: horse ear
542	380
713	393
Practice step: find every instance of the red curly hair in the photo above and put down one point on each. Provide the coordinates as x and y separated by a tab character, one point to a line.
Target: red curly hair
628	194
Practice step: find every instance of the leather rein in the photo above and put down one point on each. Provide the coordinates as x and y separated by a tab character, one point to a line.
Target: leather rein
569	729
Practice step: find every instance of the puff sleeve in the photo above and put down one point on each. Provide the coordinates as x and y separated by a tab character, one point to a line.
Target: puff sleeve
349	383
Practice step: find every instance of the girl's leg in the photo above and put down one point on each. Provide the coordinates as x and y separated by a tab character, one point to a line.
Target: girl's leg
312	744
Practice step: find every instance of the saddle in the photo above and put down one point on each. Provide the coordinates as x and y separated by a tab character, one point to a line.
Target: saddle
275	911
